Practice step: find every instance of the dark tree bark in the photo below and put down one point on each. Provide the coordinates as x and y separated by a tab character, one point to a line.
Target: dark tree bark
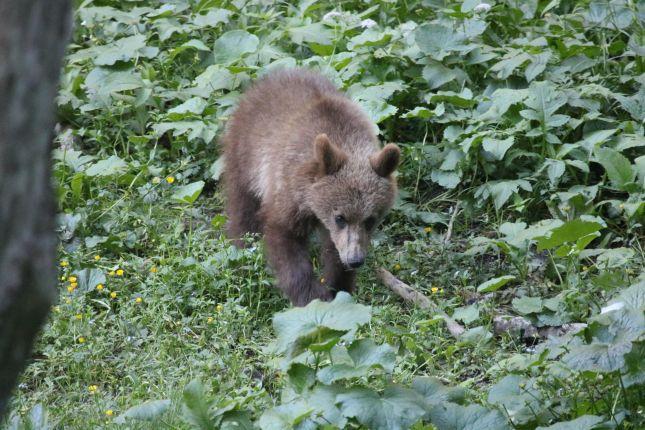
33	36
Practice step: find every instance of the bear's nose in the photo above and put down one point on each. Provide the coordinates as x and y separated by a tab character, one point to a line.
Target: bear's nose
356	263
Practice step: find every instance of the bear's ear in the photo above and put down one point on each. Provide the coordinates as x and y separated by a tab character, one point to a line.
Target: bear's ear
386	161
329	157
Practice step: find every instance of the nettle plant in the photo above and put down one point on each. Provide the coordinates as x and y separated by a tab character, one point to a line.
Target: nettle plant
334	378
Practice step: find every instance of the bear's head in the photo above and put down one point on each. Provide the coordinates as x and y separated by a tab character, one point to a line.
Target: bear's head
351	194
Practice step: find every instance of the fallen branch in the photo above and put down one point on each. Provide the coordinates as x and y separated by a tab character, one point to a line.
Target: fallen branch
520	325
411	295
451	223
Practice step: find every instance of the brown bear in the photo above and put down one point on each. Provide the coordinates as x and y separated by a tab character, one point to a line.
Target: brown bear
301	156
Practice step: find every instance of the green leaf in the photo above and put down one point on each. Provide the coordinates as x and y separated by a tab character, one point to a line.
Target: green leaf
476	336
124	49
88	279
102	85
341	315
397	409
301	377
286	416
370	37
234	45
365	355
72	158
497	148
450	416
317	33
435	392
195	105
527	305
501	191
585	422
195	407
494	284
217	168
613	338
188	193
501	100
509	63
618	168
466	314
519	398
438	75
213	18
632	297
446	179
543	101
109	167
147	411
438	41
569	232
555	169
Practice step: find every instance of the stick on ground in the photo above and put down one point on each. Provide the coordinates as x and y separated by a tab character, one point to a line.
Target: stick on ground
411	295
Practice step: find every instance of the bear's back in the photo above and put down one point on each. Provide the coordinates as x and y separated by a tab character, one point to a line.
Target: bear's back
271	132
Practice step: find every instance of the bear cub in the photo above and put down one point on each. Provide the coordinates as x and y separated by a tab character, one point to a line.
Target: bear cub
302	157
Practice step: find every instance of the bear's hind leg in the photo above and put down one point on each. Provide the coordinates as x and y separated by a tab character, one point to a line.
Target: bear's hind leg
242	212
289	257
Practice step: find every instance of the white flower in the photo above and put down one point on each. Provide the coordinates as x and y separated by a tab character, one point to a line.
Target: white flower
368	23
613	307
482	7
333	14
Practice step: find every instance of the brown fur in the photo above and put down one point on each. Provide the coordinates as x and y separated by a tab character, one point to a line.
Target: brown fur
299	154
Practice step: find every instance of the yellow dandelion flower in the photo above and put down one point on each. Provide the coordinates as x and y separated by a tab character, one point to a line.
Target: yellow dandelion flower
138	300
109	412
113	294
92	388
97	257
72	279
170	179
156	180
153	269
73	284
70	289
111	273
64	263
81	339
79	316
428	229
209	320
119	272
434	290
100	287
397	267
219	308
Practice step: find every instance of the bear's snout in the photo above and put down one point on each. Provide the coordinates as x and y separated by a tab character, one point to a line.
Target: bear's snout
356	262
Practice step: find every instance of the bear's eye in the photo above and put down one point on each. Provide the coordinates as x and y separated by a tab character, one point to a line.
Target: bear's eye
370	223
340	221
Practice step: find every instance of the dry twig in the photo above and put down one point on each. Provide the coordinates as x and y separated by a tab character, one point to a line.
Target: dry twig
411	295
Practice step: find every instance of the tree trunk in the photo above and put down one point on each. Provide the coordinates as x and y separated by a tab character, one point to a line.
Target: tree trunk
33	36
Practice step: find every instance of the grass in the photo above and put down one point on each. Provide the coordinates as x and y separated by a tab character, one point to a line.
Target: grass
187	305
